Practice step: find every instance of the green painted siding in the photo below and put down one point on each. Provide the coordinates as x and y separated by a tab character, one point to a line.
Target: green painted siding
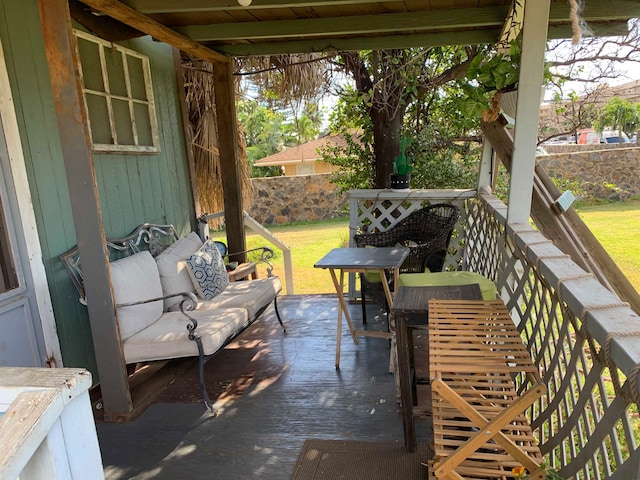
133	188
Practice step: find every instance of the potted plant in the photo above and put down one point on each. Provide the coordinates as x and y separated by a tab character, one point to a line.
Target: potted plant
401	176
492	76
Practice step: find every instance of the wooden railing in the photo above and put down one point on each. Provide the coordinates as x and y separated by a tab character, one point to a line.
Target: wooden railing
46	427
583	339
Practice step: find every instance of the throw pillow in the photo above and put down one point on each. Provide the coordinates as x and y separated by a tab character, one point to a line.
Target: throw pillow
174	276
207	270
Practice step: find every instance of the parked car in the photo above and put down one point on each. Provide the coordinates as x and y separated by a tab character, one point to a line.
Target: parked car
591	137
613	136
588	137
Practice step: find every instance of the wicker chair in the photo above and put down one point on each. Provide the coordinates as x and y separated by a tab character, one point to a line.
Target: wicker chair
426	232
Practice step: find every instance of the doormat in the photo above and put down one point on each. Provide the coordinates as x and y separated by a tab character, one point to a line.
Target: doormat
355	460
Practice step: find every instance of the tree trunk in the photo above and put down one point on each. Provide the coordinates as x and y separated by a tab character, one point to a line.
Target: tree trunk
386	144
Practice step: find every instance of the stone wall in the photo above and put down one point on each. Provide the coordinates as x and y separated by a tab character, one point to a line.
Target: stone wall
603	173
609	171
278	200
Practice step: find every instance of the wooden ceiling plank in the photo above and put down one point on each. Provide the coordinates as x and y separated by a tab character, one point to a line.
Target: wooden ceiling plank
171	6
362	43
484	17
612	10
135	19
364	24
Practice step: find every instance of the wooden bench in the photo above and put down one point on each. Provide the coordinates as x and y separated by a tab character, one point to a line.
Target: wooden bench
483	381
165	309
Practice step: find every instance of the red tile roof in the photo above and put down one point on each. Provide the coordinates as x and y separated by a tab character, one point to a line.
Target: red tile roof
307	152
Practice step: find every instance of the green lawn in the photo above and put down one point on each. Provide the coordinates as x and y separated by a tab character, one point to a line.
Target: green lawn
616	225
308	243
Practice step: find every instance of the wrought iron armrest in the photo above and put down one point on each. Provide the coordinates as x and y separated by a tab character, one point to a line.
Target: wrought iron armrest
189	302
266	256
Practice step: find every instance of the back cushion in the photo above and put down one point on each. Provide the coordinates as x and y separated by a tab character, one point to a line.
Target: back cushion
136	278
173	269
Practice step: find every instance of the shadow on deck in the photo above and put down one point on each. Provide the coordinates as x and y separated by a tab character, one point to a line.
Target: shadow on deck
272	391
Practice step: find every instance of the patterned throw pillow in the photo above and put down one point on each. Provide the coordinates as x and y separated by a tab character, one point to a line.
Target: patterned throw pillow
207	271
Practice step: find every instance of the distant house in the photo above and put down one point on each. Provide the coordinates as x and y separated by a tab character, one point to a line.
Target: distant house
303	159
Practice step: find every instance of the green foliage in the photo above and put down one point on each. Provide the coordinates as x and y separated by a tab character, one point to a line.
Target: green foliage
497	72
489	73
263	132
576	186
356	168
619	114
439	141
440	162
268	131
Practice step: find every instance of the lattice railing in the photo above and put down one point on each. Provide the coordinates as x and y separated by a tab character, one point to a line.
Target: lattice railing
580	335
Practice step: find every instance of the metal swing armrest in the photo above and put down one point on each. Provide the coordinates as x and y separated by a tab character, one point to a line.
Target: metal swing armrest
266	255
188	303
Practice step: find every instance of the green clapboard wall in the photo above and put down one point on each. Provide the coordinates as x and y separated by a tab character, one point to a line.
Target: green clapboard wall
133	188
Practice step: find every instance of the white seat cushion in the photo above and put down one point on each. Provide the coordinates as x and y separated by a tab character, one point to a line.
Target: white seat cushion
249	294
136	278
168	337
173	268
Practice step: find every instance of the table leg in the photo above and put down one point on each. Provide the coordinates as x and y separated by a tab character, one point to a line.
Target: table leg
387	292
385	286
342	308
404	375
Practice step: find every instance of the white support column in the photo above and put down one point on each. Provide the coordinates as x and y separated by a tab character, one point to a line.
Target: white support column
485	177
534	39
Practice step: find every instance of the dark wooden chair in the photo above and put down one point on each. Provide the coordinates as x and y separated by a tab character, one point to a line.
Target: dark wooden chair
426	232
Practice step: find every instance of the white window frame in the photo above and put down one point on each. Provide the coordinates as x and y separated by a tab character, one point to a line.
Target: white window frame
115	146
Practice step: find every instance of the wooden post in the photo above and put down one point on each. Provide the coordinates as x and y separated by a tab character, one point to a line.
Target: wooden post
534	40
177	64
85	203
228	145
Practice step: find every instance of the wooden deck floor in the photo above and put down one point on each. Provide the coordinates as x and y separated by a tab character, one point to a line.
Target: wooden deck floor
273	391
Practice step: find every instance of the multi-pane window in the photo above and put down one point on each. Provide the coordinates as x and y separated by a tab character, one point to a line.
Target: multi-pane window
118	96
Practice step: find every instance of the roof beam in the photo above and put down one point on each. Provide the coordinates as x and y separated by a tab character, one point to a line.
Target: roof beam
512	26
141	22
350	25
362	43
472	37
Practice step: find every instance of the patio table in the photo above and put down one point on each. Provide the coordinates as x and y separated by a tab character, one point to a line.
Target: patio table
409	311
359	260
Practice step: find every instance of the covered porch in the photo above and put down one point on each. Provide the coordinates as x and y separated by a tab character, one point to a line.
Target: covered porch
275	390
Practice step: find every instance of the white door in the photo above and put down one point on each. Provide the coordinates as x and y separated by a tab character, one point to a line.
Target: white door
27	327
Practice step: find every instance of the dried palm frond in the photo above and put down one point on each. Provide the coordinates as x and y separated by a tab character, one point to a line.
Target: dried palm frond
290	77
200	100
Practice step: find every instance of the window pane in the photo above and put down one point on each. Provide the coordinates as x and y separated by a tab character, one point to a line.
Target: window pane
122	120
145	137
8	275
136	76
113	59
91	70
99	118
